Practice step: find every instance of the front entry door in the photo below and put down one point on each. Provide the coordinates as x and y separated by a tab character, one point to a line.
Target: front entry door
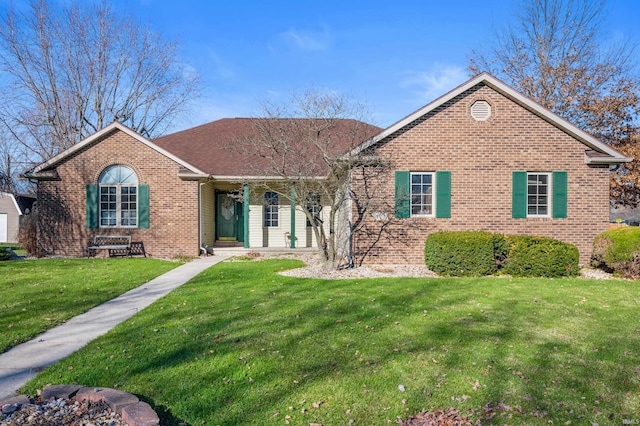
226	217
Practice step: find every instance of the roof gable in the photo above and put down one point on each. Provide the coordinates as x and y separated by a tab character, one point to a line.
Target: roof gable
95	137
13	199
599	152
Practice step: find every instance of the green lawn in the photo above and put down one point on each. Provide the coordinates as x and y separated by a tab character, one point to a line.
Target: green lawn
36	295
241	345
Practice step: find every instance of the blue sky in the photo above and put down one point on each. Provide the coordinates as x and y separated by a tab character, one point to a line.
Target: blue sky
394	56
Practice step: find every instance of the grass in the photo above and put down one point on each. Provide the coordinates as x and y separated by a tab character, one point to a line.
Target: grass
241	345
36	295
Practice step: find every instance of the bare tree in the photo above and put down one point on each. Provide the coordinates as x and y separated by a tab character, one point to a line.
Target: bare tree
6	177
72	68
300	148
12	163
554	55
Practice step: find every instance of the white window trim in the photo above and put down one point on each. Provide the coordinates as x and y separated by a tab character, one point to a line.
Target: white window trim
433	194
264	211
312	207
549	195
118	197
118	205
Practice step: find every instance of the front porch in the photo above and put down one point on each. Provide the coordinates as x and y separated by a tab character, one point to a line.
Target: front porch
234	218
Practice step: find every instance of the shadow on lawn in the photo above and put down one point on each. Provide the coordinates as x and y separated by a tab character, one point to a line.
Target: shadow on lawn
222	346
529	372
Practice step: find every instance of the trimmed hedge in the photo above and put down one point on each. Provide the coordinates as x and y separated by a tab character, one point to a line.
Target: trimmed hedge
4	254
531	256
618	250
478	253
465	253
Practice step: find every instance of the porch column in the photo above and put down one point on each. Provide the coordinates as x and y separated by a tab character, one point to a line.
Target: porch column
245	216
293	218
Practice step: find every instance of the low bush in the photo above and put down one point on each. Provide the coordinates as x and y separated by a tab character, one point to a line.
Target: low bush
27	234
4	254
531	256
618	250
464	253
478	253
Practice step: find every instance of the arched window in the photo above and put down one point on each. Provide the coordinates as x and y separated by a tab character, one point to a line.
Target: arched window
118	205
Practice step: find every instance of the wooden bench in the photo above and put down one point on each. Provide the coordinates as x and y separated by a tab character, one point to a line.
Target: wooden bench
118	245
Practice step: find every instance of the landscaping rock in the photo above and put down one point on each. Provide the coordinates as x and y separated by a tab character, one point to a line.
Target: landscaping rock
20	399
60	391
62	412
10	408
73	405
140	414
114	398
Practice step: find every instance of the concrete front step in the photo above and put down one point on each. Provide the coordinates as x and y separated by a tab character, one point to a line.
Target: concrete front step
240	251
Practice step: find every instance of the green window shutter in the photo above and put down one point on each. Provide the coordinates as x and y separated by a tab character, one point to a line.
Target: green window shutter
519	195
92	206
403	194
559	194
443	194
143	206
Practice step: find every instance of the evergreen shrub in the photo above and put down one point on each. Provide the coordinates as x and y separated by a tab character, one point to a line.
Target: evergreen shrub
531	256
479	253
618	250
464	253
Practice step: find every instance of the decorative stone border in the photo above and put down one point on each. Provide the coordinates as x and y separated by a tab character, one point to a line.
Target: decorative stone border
133	411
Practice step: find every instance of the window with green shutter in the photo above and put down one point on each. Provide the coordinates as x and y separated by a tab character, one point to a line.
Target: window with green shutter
117	201
425	194
538	194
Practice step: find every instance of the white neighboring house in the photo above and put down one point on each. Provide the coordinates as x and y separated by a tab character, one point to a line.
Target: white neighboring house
9	218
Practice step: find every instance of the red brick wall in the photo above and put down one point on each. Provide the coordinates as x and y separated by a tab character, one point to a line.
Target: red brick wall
481	157
173	203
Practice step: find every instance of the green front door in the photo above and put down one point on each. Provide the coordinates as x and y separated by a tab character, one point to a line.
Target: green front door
226	217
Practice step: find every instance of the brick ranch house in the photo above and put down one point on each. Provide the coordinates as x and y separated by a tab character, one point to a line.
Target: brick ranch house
481	157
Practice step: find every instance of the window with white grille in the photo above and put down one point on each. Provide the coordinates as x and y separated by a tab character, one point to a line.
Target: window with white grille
118	197
270	207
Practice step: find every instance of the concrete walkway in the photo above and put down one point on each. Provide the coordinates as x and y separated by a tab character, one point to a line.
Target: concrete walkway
24	361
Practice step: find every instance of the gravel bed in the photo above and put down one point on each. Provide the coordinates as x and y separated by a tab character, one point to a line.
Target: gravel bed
60	412
597	274
370	271
314	269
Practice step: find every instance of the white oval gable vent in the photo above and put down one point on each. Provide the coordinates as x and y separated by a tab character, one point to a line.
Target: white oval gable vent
481	110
